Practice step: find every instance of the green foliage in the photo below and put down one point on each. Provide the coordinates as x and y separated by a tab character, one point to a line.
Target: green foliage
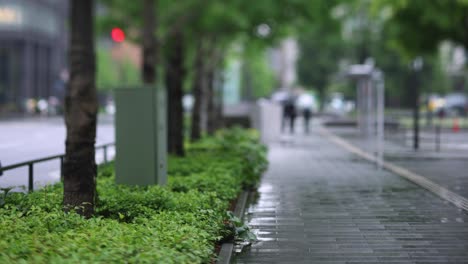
321	48
178	223
392	32
251	154
106	77
342	87
418	26
219	23
4	195
258	75
241	230
234	151
105	70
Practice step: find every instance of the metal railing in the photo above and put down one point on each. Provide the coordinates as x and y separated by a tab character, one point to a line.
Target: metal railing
430	138
30	164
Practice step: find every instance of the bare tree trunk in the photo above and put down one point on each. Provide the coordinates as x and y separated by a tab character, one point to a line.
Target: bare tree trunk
212	89
81	113
150	48
210	103
219	93
321	95
220	99
203	99
175	75
195	133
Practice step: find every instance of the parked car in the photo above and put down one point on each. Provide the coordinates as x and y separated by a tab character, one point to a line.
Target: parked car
435	103
456	104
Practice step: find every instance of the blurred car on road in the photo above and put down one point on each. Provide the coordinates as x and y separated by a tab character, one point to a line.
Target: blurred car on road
337	105
456	104
453	104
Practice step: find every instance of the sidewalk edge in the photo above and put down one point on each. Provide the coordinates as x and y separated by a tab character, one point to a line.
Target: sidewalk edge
457	200
227	249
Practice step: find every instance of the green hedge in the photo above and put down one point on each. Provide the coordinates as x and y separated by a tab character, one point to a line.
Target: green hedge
179	223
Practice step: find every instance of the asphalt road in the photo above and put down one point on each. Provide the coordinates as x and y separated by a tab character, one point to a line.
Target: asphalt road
33	138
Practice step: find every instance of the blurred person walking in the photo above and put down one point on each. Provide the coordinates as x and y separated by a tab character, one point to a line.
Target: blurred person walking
307	114
289	115
306	103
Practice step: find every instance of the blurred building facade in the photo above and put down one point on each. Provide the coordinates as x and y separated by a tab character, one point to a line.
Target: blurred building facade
33	41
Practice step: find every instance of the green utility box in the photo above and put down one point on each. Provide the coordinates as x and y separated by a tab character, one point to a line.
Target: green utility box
140	136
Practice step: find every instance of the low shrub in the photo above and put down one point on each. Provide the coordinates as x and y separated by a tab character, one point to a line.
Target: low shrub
177	223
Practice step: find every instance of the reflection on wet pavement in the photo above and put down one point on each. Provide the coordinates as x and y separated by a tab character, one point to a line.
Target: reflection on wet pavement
319	204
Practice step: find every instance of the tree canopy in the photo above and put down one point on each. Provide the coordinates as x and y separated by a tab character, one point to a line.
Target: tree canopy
418	26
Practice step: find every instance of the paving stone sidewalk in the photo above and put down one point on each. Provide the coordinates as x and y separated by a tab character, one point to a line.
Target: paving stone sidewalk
318	203
447	168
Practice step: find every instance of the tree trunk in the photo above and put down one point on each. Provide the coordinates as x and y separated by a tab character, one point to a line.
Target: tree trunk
195	132
175	75
220	99
150	48
212	97
321	95
210	101
81	106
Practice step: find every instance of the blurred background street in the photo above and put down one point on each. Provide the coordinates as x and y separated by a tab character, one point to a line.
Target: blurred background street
364	104
33	138
376	73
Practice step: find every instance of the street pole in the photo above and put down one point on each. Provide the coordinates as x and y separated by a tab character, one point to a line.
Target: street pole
360	112
369	111
417	66
380	85
415	112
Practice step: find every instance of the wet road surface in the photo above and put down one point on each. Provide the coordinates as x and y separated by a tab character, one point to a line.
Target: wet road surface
34	138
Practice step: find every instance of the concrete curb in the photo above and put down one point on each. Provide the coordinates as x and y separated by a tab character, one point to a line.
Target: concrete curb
225	253
442	192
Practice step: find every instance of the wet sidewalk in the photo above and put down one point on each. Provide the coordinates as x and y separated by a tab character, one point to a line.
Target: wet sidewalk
318	203
446	167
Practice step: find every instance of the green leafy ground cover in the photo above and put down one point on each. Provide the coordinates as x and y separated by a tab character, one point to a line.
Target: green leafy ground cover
178	223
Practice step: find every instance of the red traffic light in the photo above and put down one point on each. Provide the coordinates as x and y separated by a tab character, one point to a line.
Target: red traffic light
117	35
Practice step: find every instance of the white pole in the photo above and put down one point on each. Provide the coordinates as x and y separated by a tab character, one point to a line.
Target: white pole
381	119
359	111
369	109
